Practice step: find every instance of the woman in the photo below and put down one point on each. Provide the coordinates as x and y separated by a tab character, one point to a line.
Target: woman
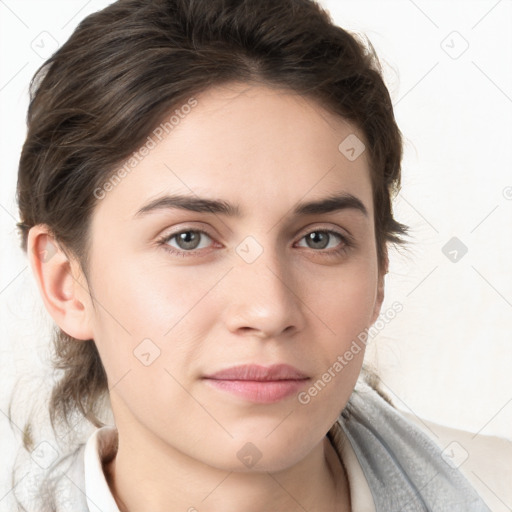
205	198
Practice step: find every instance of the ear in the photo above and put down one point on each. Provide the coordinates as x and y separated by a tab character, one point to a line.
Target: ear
61	282
383	270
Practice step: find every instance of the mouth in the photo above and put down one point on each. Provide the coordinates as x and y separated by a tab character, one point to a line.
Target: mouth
259	384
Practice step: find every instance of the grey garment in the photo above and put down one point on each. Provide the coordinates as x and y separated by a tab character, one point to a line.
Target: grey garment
405	469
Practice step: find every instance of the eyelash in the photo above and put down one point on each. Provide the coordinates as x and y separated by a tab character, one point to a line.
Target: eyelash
346	243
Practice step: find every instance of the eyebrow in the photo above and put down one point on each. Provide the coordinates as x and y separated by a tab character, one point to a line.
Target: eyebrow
329	204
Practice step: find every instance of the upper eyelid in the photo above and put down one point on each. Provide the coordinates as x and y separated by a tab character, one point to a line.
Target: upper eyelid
305	230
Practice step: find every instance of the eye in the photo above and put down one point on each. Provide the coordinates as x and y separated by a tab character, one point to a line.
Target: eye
319	239
185	241
323	239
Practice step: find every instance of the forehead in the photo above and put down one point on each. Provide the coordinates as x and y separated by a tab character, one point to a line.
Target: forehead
259	147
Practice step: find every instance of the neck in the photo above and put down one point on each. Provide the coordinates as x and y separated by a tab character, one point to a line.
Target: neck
149	476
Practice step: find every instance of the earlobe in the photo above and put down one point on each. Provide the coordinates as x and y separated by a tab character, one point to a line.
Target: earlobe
61	284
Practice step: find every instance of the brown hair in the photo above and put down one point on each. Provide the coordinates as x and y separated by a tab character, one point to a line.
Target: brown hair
126	67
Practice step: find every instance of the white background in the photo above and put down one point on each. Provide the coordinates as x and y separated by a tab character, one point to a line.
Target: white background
447	356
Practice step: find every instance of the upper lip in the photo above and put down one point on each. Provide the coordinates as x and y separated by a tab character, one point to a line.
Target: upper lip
259	373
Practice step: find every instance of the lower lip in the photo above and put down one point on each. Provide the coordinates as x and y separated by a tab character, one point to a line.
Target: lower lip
263	392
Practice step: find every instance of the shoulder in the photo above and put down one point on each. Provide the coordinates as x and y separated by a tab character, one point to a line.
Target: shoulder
486	461
402	464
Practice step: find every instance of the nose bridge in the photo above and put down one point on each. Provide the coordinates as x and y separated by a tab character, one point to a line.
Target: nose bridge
265	297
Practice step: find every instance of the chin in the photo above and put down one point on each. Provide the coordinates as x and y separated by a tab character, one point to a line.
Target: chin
263	453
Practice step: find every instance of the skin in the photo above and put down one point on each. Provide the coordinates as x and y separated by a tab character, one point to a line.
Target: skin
265	150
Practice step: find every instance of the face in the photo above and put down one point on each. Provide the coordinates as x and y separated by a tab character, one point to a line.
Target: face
183	291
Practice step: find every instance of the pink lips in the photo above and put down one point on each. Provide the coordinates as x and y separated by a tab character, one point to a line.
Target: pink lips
259	384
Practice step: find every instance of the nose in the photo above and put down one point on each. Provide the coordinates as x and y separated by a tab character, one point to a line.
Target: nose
263	298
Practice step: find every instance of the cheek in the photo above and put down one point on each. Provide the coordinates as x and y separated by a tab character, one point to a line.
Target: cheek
146	335
345	306
145	299
146	313
344	300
